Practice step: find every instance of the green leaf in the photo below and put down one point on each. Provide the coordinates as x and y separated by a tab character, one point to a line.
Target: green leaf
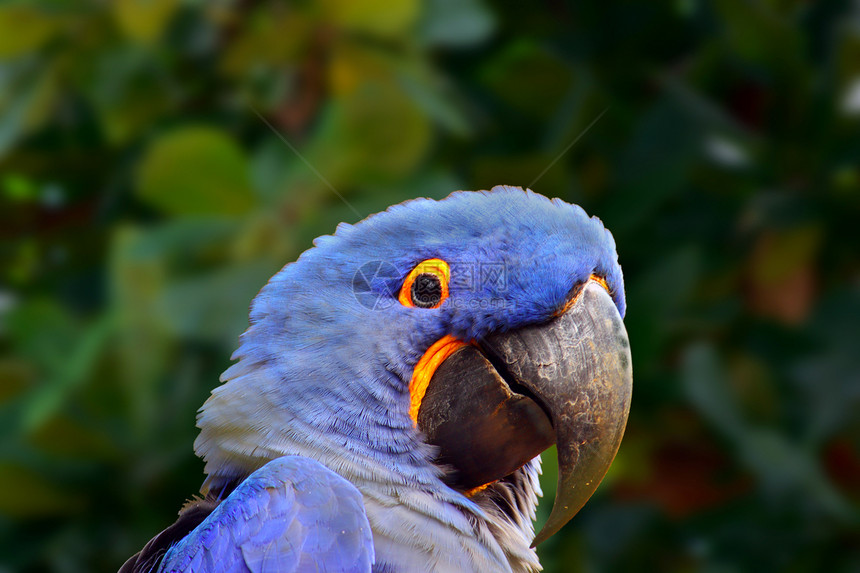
128	91
180	242
752	29
196	170
787	469
433	96
378	17
27	95
214	306
524	68
143	20
19	188
383	130
77	366
24	29
42	331
137	277
268	39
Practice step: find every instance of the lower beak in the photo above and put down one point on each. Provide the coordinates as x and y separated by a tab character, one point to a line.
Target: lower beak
491	408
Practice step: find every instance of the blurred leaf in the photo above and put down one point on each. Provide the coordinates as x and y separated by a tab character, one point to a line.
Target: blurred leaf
374	132
779	254
353	66
181	243
658	300
456	23
434	97
196	170
782	274
191	304
706	385
704	110
384	130
24	28
524	68
848	59
271	37
143	20
787	469
63	436
829	376
42	331
520	170
26	97
391	18
137	281
784	468
19	188
128	91
263	236
62	352
24	493
754	28
17	376
76	369
269	168
656	162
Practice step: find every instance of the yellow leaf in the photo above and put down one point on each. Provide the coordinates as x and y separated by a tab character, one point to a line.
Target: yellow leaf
384	129
778	255
389	18
24	29
269	38
143	20
350	66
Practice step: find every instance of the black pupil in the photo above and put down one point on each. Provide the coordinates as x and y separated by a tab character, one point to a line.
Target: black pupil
426	290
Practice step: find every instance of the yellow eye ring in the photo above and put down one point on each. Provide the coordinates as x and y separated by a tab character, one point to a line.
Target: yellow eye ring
426	286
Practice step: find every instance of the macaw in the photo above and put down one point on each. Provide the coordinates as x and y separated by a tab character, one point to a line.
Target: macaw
396	386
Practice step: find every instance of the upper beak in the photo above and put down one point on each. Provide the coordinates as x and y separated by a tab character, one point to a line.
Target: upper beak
491	408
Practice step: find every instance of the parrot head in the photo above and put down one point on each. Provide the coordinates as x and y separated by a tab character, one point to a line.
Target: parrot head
429	354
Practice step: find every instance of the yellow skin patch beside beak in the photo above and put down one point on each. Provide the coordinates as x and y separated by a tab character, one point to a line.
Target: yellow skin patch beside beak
426	367
601	281
593	278
424	370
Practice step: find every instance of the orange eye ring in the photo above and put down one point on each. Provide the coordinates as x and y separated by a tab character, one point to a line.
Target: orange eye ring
426	286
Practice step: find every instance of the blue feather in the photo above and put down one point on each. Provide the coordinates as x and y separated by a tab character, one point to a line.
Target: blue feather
293	514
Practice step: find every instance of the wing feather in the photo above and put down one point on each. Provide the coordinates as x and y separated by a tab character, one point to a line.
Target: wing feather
293	514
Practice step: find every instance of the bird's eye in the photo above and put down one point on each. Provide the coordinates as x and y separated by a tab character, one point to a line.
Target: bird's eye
426	286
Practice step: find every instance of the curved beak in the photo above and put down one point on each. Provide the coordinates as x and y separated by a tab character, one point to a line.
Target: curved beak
491	408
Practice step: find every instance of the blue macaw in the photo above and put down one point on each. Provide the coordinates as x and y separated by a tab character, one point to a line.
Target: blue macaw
396	387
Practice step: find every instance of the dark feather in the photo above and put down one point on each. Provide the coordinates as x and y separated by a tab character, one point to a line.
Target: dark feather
149	558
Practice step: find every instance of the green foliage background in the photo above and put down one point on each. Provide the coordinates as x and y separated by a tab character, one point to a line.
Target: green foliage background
160	159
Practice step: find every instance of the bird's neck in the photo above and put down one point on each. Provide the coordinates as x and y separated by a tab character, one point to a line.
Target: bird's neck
260	414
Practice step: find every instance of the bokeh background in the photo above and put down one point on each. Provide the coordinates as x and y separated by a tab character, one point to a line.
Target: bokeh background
160	159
